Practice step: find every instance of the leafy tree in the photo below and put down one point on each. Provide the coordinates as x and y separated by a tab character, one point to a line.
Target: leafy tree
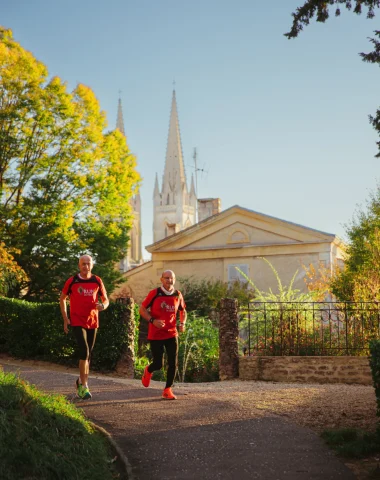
320	10
10	272
360	280
319	280
65	185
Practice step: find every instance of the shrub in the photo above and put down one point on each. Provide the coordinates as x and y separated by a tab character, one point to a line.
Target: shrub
35	330
374	361
202	296
198	354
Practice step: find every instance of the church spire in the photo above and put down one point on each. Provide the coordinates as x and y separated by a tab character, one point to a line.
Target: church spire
174	179
120	120
174	208
156	192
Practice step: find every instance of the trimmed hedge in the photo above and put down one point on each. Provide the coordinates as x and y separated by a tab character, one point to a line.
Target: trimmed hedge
374	361
35	331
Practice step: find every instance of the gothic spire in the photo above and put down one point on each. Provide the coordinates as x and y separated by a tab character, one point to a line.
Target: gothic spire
120	120
174	178
156	191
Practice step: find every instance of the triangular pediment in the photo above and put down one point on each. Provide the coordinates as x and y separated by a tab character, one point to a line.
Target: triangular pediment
237	227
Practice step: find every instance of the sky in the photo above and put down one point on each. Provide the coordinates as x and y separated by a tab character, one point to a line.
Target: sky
280	126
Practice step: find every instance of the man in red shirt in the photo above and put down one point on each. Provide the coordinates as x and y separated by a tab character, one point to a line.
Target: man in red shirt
83	290
160	309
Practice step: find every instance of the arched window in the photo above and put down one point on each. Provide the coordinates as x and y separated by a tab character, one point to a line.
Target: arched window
238	236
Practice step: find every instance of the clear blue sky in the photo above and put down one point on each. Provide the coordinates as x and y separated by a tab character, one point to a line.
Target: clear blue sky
281	126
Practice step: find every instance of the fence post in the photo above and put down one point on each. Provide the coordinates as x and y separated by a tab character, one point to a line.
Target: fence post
126	365
228	339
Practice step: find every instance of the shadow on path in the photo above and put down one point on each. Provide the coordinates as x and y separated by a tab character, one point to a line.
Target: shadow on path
204	435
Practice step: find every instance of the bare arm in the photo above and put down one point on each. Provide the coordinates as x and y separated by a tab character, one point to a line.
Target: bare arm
63	305
105	303
182	320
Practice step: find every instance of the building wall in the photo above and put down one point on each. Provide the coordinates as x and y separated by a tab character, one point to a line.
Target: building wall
141	279
211	248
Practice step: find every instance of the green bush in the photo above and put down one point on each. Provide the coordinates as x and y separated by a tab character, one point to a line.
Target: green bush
374	362
198	353
202	296
351	443
35	330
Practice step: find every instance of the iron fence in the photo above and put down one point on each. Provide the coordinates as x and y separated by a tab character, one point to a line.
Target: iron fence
304	328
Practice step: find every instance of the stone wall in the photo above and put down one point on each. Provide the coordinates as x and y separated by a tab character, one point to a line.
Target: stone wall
228	339
306	369
126	364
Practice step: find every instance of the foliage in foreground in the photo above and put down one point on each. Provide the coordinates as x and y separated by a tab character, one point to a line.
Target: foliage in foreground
44	436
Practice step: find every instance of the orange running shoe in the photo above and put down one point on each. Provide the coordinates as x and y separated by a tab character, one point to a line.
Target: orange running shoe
146	377
168	394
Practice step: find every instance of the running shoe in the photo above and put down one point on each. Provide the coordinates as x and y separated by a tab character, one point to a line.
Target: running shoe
168	394
85	393
146	377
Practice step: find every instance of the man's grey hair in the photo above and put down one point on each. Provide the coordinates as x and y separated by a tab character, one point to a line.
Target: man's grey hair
168	271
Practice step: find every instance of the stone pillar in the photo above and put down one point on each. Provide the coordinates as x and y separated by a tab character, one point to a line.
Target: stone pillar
126	365
228	339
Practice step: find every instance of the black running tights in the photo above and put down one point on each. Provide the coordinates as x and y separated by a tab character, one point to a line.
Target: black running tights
157	348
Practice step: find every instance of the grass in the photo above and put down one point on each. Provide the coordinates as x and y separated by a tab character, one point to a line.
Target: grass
43	436
352	443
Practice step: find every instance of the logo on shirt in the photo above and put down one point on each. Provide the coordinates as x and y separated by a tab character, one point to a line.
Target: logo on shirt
86	292
167	308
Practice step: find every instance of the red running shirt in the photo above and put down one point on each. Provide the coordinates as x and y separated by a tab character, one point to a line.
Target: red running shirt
83	299
164	307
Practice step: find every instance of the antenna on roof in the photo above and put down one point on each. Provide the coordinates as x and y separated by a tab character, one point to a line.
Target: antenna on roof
196	169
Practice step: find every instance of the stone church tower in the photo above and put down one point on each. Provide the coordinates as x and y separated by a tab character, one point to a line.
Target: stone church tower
134	255
174	206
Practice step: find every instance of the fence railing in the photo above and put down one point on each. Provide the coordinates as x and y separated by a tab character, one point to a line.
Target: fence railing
313	328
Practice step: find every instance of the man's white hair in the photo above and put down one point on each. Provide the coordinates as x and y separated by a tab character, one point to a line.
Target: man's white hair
89	256
168	271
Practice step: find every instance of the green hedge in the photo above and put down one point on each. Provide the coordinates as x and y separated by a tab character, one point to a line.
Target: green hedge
374	361
35	331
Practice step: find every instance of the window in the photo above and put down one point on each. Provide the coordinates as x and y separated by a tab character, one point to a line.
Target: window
234	274
238	236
